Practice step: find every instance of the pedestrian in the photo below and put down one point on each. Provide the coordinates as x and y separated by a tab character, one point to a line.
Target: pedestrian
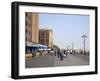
61	56
66	54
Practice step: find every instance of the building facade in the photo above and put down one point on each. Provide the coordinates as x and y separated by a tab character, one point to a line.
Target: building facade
46	37
31	27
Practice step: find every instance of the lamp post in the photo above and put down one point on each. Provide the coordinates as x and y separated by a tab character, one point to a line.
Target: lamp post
84	38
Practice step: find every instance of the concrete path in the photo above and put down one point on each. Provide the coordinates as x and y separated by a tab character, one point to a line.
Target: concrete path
53	61
72	60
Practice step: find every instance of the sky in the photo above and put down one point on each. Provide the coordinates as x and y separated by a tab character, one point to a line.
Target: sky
67	29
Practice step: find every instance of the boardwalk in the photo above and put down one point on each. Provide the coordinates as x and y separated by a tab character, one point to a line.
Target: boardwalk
72	60
52	61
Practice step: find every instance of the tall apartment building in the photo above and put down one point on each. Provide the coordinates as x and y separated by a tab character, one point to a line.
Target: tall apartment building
31	27
46	37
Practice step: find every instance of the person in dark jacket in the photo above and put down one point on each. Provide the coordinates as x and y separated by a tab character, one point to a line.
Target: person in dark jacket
61	56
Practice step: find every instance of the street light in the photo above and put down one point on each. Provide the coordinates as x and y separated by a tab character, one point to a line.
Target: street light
84	38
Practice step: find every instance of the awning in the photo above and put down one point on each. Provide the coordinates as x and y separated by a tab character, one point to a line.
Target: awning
35	45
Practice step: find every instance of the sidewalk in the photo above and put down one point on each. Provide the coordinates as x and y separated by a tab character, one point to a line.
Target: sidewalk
72	60
40	61
53	61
